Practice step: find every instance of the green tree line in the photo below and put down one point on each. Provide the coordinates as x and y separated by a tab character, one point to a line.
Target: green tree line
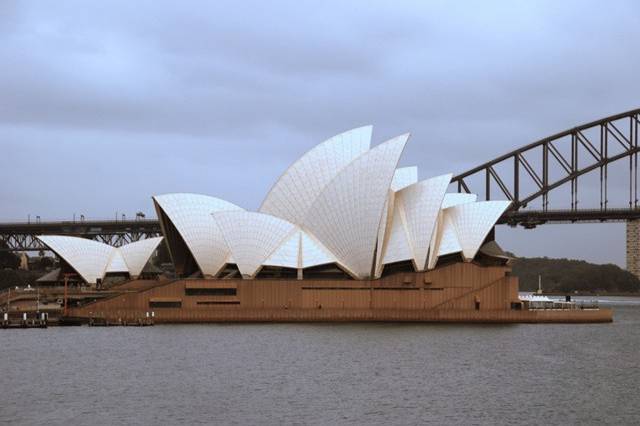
566	275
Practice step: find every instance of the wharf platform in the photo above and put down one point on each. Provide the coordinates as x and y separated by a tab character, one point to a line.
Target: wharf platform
576	316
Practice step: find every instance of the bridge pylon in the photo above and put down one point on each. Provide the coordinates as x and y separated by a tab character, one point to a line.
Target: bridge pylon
633	246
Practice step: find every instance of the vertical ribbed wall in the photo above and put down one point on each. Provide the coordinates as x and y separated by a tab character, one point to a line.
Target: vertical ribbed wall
633	247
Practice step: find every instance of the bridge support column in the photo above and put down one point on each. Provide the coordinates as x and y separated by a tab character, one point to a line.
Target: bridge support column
633	247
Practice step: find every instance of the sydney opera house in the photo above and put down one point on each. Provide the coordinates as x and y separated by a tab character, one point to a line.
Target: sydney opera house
343	234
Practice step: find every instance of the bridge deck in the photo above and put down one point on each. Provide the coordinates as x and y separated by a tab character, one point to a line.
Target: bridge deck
21	236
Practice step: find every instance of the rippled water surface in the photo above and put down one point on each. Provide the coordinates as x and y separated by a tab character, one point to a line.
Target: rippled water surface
325	374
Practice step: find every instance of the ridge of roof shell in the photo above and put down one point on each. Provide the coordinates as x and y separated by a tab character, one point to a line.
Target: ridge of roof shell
473	222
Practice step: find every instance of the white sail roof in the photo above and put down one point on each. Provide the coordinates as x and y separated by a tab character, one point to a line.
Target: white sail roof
299	186
252	237
340	203
92	259
191	216
137	254
88	258
473	222
419	205
348	212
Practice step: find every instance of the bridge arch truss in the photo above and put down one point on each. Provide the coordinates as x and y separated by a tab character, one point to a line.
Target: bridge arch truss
562	159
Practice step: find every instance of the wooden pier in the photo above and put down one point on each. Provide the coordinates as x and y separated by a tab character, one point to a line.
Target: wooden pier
24	323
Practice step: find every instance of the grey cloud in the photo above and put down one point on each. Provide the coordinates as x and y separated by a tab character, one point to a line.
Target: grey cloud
105	104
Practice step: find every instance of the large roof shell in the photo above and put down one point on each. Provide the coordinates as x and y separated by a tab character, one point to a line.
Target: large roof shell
296	190
137	254
473	222
348	212
191	216
92	260
252	237
88	258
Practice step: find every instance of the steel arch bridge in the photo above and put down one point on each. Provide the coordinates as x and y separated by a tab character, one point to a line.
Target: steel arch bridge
532	172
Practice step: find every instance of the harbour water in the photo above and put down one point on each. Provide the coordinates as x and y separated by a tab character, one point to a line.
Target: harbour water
326	373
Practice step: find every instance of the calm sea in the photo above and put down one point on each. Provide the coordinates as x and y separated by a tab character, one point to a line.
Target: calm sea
325	374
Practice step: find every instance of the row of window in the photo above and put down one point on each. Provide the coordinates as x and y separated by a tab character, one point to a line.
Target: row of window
210	291
199	292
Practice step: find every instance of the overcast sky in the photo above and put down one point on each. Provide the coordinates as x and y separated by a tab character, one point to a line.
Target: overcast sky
107	103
